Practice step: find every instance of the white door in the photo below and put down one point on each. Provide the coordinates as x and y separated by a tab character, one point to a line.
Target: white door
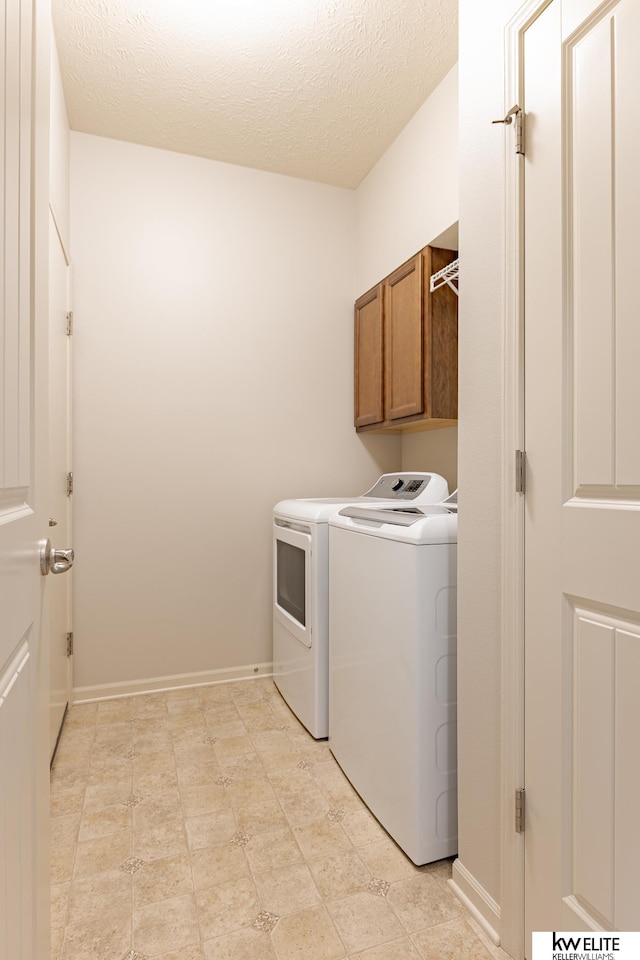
582	527
24	661
59	503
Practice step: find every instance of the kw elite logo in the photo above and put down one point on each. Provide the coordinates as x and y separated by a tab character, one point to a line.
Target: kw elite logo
585	946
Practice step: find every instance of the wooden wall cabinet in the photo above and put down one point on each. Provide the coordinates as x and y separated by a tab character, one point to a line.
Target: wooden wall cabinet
406	350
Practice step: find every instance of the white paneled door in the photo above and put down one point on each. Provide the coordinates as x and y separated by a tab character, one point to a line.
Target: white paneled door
24	660
582	525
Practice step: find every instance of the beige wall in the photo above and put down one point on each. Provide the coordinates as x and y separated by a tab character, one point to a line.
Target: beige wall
213	377
59	150
411	195
480	438
214	344
408	200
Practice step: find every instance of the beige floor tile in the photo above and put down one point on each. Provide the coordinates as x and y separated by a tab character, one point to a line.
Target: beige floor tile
104	772
245	944
114	711
393	950
113	734
284	759
385	860
233	747
153	841
149	705
422	902
59	904
362	827
198	774
65	800
203	798
308	935
215	694
287	889
149	783
163	879
364	920
75	754
322	838
99	796
251	790
218	864
160	807
89	897
165	926
65	829
191	952
183	705
154	763
257	709
271	741
263	815
300	808
497	953
163	783
81	714
105	822
56	942
148	737
186	728
226	907
218	715
291	781
271	849
105	853
102	939
231	729
196	751
450	941
246	691
209	828
180	693
61	862
327	773
242	767
340	875
343	797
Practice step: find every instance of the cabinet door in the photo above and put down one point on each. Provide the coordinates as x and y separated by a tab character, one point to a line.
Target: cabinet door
369	343
404	395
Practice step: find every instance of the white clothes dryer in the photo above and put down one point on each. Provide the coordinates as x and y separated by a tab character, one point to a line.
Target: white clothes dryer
392	668
301	588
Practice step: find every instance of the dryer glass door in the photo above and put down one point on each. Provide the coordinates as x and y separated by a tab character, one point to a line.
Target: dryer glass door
292	560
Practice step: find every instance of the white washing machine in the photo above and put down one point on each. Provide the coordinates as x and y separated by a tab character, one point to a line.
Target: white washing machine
301	588
392	668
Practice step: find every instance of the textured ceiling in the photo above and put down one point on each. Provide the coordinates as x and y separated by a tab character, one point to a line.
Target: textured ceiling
310	88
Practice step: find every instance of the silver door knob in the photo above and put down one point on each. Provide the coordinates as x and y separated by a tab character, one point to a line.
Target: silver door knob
54	561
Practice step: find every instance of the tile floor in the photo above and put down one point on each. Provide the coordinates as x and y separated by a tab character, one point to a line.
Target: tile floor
206	824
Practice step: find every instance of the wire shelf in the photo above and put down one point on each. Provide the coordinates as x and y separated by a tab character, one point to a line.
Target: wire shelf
446	276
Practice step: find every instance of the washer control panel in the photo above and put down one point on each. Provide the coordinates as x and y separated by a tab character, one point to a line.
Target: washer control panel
408	486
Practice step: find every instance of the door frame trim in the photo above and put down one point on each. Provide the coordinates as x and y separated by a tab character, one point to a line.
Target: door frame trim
513	503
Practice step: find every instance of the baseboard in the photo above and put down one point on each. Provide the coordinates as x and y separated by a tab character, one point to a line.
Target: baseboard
134	688
477	901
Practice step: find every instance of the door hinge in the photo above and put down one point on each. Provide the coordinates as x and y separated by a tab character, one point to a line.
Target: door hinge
520	808
70	323
521	471
69	483
516	116
70	644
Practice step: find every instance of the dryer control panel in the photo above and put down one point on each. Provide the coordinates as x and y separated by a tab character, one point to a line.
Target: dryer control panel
410	486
